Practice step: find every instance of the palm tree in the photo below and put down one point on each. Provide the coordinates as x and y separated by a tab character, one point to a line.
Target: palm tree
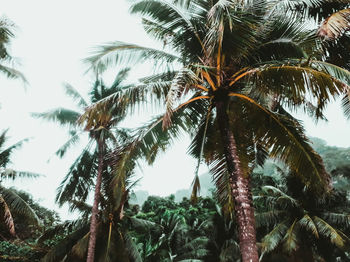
303	227
79	180
115	240
239	63
10	201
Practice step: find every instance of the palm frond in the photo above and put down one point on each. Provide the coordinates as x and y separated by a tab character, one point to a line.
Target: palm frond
345	102
115	53
13	73
290	240
173	17
180	84
74	94
268	218
330	232
6	153
339	219
274	238
286	141
11	174
18	205
61	115
79	178
58	252
8	219
307	222
335	25
73	139
132	248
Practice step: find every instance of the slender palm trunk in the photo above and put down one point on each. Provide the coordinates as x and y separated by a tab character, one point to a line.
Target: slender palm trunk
93	223
240	189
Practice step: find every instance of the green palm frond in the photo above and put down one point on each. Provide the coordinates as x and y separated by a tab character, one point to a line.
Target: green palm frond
293	83
11	174
61	115
223	189
5	153
279	195
122	75
18	206
274	238
67	227
326	230
339	219
74	139
80	248
74	94
268	218
13	73
116	53
346	105
179	86
58	252
286	141
79	178
290	240
171	16
132	248
142	225
309	225
81	206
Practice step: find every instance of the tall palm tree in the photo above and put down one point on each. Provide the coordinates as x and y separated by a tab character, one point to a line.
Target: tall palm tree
90	164
240	64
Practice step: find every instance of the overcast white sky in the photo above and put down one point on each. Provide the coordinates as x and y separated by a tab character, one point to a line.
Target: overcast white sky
51	39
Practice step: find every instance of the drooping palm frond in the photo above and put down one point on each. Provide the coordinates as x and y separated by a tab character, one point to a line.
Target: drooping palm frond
18	205
336	237
290	240
7	216
5	153
288	144
12	73
79	178
268	218
66	227
335	25
132	248
339	219
61	115
275	237
74	94
171	16
115	53
64	246
346	105
74	139
309	225
11	174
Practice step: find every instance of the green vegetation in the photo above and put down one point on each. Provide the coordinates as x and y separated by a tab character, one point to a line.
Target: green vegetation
230	74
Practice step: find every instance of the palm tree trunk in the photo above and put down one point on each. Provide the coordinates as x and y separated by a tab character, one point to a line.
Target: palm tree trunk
240	187
93	223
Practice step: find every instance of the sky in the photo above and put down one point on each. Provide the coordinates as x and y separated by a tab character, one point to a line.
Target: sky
52	38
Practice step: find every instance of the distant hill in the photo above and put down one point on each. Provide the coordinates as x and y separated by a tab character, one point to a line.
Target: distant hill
333	158
207	186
